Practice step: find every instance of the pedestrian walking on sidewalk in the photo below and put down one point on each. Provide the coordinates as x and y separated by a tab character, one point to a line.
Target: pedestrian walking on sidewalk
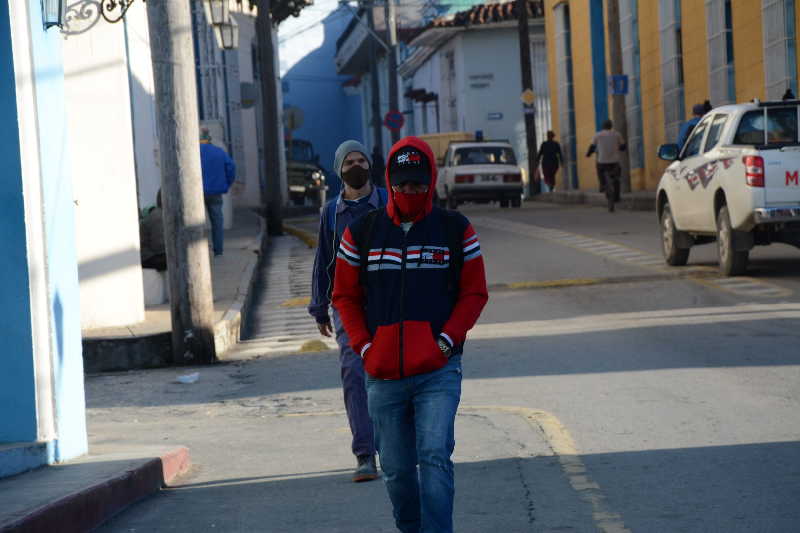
409	284
609	145
551	157
219	172
358	196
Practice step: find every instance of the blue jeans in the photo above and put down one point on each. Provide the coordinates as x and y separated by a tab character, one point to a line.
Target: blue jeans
355	393
215	216
414	421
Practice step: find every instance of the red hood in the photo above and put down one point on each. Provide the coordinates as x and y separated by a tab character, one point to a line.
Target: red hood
422	146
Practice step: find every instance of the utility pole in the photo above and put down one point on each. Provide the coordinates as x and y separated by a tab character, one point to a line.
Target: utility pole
618	110
529	109
188	265
377	131
391	31
269	105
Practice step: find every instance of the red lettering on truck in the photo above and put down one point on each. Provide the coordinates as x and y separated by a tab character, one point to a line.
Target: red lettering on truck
792	177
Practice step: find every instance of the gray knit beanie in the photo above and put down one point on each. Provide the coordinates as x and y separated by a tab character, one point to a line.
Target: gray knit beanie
346	148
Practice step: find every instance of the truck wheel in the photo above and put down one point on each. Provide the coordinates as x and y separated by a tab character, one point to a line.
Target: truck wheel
673	255
731	261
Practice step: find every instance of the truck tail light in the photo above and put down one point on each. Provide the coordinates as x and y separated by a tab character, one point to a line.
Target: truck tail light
754	170
465	178
512	178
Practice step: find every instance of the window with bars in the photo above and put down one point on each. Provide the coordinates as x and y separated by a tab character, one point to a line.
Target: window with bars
669	17
719	31
780	59
629	39
566	100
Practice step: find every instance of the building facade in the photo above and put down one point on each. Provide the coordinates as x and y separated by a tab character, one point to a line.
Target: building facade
675	54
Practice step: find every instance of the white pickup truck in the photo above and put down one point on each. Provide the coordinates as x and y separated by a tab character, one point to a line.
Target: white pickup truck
734	181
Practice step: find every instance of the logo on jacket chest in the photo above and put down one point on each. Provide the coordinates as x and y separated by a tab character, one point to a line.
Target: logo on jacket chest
428	257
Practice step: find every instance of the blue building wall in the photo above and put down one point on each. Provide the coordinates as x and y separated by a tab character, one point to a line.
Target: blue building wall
330	116
599	64
17	384
18	417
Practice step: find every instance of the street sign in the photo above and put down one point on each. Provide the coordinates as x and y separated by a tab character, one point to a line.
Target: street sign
394	120
619	84
528	97
293	118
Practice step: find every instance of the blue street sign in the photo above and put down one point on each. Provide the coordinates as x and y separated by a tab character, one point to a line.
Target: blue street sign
619	84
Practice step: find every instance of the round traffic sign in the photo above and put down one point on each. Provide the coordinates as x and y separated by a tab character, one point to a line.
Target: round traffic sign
394	120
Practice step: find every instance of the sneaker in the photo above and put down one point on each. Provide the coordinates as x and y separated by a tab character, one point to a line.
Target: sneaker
366	469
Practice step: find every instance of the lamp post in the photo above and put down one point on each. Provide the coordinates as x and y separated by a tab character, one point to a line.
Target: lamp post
216	12
227	34
53	13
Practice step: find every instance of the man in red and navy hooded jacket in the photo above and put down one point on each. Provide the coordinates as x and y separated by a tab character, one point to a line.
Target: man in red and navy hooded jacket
409	284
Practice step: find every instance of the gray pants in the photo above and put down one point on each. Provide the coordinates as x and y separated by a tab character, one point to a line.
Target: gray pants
355	393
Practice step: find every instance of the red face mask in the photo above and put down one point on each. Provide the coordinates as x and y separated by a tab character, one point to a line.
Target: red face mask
411	206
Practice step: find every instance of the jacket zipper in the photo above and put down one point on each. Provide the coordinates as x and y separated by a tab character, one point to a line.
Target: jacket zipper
402	300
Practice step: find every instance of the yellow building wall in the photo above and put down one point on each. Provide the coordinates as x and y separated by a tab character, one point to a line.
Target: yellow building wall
552	70
748	50
652	95
583	88
694	39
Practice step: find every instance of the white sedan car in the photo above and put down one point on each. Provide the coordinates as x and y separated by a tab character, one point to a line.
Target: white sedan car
480	172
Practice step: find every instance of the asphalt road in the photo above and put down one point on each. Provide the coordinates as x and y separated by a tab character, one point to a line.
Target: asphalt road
602	392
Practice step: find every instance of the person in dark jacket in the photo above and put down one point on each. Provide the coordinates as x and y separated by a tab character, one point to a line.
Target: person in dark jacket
698	110
410	282
551	158
219	173
358	196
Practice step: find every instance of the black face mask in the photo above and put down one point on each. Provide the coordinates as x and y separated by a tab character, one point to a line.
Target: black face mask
356	176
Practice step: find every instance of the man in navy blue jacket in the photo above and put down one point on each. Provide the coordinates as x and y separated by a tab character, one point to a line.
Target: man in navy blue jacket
219	172
358	197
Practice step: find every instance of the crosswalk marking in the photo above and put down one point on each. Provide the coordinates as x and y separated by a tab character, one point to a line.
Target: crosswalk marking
620	253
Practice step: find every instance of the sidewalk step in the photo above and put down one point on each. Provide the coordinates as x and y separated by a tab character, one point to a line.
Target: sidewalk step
80	495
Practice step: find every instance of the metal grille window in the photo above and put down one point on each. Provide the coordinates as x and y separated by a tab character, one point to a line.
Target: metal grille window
629	38
566	100
669	16
780	64
722	83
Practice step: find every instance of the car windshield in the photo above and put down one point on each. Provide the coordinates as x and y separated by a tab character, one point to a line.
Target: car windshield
781	126
300	152
484	155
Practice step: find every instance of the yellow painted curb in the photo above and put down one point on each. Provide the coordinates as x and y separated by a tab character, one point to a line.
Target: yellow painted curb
309	239
300	301
313	346
551	284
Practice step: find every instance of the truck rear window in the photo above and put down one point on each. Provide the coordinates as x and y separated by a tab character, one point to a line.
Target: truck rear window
781	127
484	155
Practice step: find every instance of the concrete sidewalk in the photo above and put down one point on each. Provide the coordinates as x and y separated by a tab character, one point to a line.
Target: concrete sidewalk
147	344
633	201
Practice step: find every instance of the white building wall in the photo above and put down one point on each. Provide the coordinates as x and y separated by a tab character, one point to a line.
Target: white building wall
145	134
246	191
104	188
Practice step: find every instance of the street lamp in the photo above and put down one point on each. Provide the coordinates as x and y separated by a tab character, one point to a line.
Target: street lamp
227	34
53	13
216	12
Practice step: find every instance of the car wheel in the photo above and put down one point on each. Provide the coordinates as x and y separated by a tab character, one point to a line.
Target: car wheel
731	261
516	201
673	255
504	202
452	203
